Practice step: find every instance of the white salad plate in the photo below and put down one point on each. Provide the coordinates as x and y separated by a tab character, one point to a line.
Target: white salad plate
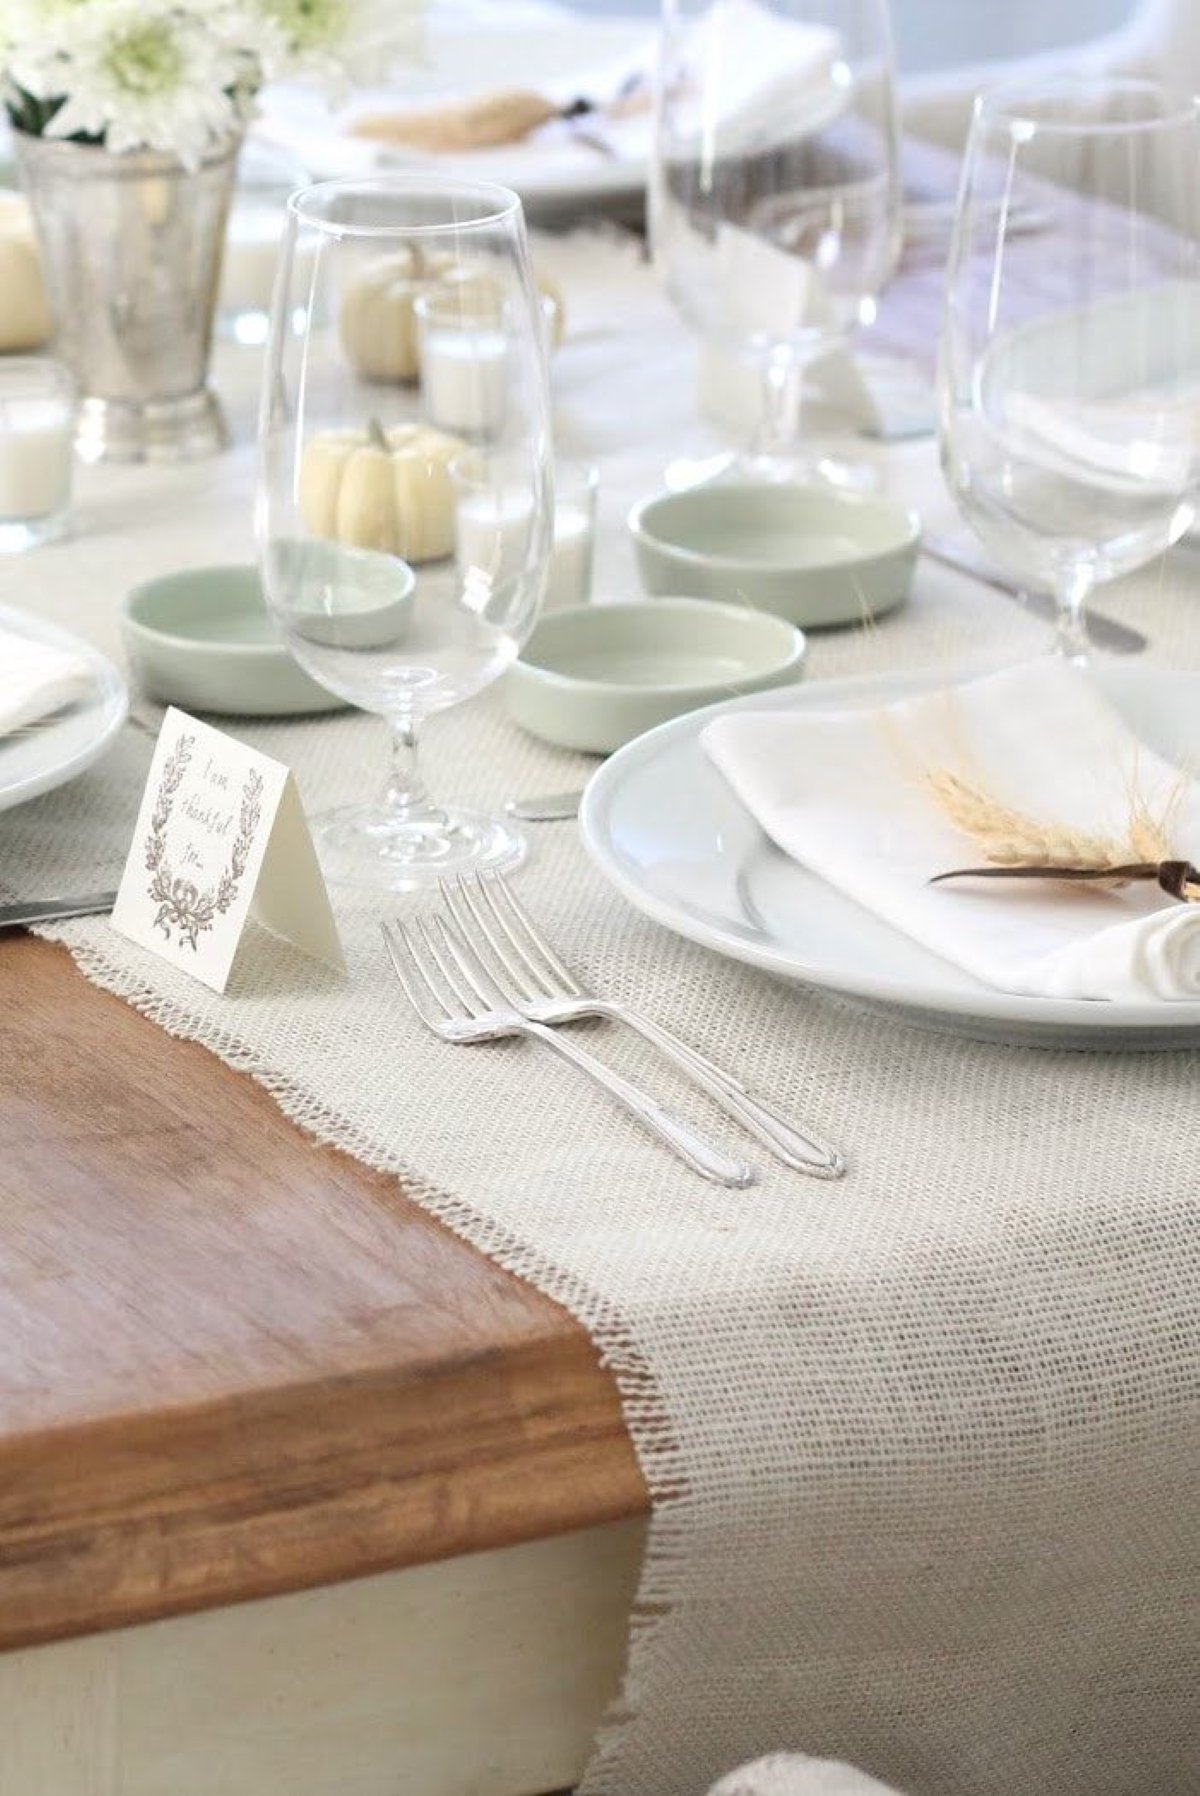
49	754
662	825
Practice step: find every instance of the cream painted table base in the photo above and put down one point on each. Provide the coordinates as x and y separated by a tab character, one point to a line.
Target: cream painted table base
480	1676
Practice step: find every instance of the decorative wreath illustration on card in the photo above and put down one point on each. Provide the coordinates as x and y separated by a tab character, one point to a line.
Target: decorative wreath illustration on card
185	909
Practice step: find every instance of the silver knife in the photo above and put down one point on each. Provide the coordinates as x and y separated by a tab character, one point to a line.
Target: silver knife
55	910
962	554
554	807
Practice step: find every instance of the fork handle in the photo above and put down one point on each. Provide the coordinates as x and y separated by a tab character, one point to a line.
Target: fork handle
692	1148
796	1147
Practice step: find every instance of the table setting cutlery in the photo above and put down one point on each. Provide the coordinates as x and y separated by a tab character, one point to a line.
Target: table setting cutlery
27	912
532	977
453	994
551	807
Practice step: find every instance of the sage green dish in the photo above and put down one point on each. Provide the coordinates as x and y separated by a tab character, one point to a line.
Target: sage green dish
204	640
595	676
812	554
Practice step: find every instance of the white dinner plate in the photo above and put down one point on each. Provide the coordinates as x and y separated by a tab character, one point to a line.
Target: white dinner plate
468	56
661	823
50	753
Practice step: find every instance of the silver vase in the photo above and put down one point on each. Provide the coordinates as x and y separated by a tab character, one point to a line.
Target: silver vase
132	247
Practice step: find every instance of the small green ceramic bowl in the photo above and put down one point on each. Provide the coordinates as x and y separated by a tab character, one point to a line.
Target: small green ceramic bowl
812	554
204	640
595	676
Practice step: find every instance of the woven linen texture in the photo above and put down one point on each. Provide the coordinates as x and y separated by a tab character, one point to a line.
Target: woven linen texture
922	1444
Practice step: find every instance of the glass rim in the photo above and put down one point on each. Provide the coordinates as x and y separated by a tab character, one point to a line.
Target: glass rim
1014	104
498	204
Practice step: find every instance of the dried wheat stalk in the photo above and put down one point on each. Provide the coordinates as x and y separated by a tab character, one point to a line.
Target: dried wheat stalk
1018	846
1010	838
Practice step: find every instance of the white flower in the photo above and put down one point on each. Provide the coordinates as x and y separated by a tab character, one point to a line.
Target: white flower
179	75
139	74
358	38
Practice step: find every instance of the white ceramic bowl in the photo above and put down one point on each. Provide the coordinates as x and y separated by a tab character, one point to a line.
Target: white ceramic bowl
595	676
204	640
812	554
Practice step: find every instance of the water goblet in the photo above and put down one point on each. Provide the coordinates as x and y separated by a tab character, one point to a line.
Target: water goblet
1069	386
775	192
356	509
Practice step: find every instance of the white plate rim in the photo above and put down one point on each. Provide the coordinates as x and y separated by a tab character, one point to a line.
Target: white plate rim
112	700
540	180
1011	1010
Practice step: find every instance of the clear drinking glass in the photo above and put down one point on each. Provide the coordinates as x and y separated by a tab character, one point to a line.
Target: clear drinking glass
1069	388
775	188
357	499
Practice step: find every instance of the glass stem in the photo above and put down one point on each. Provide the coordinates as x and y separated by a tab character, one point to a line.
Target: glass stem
777	414
1071	595
406	792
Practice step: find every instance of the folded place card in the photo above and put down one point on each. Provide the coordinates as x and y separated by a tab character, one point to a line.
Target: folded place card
221	838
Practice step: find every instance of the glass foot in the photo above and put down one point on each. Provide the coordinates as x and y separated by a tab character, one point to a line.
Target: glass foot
367	845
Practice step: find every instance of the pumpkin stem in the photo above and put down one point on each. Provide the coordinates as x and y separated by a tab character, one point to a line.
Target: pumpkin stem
377	436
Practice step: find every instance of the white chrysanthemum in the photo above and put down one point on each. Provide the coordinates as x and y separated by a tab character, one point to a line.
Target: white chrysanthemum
41	26
359	38
139	74
178	75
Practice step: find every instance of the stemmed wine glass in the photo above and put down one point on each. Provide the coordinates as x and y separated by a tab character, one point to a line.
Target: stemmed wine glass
359	485
775	189
1069	387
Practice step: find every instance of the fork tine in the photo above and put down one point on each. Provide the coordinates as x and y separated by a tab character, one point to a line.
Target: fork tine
530	933
399	956
473	968
464	903
466	999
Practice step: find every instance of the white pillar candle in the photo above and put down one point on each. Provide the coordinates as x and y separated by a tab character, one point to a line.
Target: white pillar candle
37	423
492	534
570	580
35	464
464	379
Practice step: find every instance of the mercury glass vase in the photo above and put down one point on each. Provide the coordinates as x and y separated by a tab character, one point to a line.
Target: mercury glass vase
132	247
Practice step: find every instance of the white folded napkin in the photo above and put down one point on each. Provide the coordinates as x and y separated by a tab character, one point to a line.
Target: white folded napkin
846	794
795	1774
37	679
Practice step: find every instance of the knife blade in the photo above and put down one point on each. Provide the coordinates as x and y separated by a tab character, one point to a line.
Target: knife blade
961	554
54	910
554	807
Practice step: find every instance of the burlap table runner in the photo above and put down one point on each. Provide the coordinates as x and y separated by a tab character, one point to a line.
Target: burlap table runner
922	1444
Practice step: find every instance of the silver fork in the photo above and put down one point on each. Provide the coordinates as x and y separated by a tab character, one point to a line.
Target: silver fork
449	988
535	982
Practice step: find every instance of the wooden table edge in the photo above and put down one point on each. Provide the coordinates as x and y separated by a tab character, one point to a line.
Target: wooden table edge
406	1454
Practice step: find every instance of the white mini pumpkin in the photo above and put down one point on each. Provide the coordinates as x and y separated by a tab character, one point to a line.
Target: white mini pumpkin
391	491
